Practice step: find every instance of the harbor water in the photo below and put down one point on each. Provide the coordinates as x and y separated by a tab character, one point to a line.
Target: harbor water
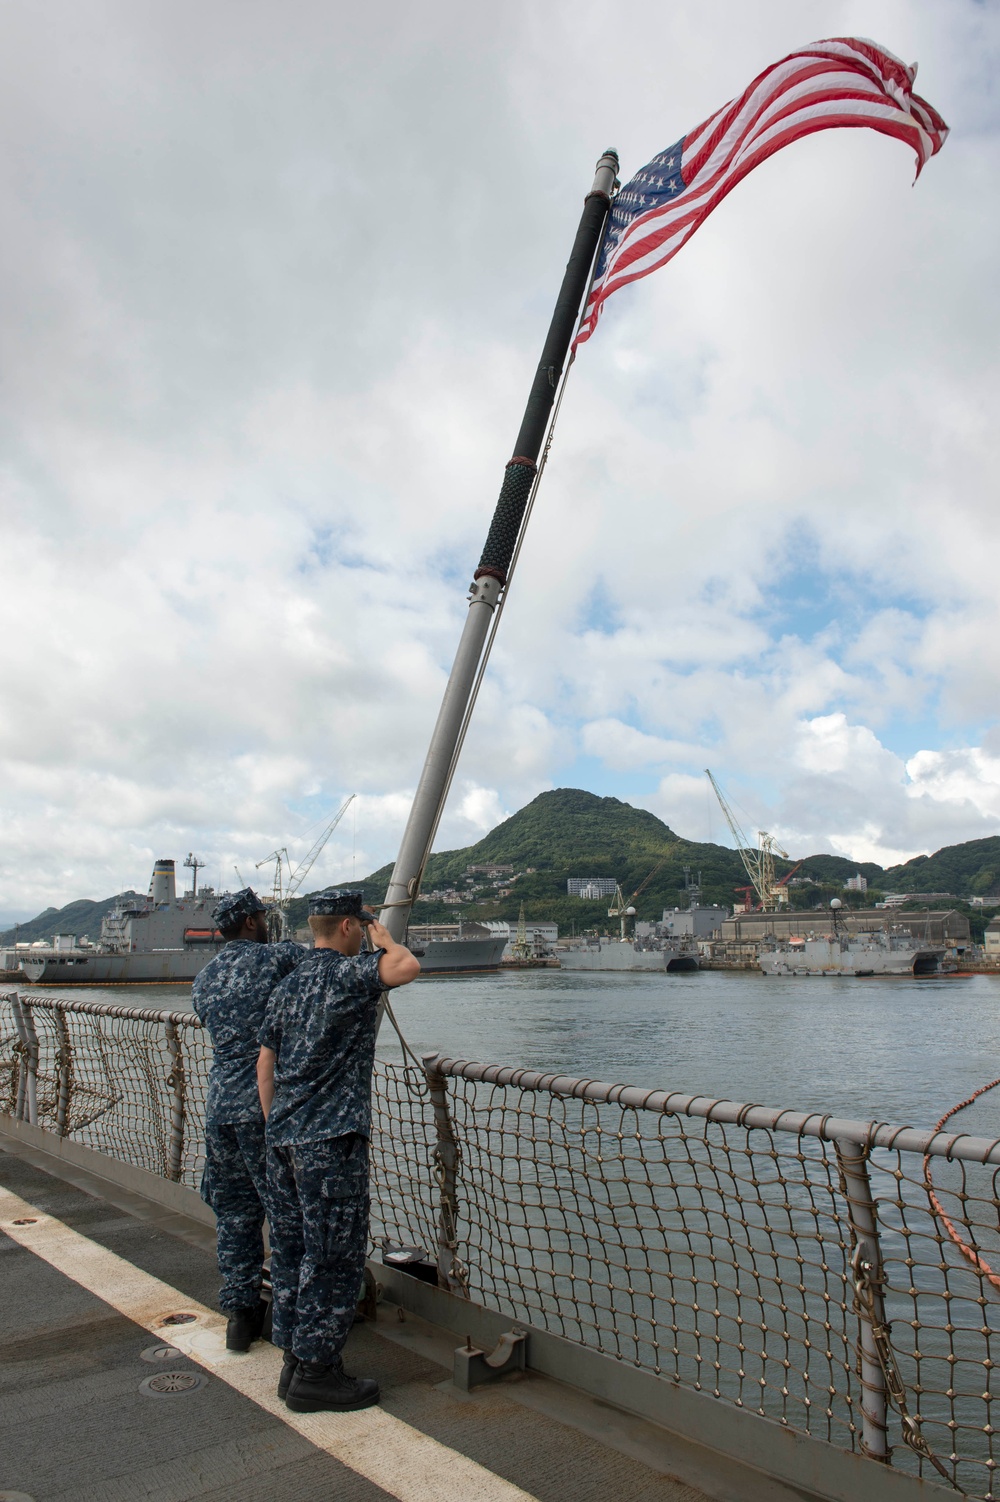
898	1050
717	1258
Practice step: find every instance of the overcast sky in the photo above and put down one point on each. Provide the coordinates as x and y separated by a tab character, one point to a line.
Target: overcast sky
274	282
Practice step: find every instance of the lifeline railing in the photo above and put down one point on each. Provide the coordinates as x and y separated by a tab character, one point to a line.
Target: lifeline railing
792	1265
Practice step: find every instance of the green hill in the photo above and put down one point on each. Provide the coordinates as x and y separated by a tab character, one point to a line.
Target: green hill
969	870
558	831
79	918
833	870
569	832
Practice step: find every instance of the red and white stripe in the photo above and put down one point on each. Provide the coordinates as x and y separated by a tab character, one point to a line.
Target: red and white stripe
845	81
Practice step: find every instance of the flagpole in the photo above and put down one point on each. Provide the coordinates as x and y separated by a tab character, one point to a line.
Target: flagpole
490	579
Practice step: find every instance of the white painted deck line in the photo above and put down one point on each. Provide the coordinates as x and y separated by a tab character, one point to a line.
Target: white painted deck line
393	1455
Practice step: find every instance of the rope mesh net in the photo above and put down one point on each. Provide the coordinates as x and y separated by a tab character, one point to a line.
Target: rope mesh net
714	1257
719	1256
106	1078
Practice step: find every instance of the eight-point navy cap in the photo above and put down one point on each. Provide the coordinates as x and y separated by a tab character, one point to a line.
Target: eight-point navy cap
234	907
331	903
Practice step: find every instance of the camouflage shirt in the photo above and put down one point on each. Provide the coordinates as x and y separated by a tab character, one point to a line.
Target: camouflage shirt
321	1022
229	996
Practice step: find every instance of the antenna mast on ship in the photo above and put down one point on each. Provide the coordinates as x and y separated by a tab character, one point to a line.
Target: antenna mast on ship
194	865
489	586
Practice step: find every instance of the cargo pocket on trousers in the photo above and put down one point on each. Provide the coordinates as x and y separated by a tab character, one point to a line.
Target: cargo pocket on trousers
347	1179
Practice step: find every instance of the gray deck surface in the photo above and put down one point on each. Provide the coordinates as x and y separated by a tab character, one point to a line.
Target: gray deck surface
75	1428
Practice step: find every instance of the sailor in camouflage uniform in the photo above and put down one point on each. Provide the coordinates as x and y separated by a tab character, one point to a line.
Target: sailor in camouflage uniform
229	996
315	1069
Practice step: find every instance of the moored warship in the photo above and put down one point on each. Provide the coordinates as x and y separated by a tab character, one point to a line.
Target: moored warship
154	940
865	954
672	956
458	956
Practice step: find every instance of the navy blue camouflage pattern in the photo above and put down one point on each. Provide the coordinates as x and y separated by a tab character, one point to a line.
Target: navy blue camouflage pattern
230	996
332	903
234	1184
231	909
321	1023
318	1218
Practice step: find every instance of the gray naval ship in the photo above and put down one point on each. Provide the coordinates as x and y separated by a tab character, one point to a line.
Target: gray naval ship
669	945
161	939
144	941
863	954
671	955
458	956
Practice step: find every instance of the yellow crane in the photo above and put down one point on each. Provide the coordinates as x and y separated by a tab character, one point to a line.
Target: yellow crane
757	862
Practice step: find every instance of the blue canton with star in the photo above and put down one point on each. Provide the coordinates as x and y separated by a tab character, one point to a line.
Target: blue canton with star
658	182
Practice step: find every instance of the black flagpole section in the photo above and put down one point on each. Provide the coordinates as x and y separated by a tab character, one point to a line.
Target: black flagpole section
491	576
521	468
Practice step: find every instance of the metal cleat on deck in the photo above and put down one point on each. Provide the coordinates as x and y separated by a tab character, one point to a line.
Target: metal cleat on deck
473	1367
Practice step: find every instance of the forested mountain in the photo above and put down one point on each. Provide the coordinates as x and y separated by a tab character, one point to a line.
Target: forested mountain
82	917
968	870
569	832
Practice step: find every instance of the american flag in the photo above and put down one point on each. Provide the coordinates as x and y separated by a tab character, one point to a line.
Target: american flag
843	81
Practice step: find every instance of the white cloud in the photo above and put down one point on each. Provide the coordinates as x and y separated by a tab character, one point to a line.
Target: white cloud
275	286
624	748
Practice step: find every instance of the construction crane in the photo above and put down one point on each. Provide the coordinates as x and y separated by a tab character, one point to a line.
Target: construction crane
521	949
275	911
623	907
302	870
757	862
781	885
280	898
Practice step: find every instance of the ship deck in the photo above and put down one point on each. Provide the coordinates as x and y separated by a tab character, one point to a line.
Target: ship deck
88	1283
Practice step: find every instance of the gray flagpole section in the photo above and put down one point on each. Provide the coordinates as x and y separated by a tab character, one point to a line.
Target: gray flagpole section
491	576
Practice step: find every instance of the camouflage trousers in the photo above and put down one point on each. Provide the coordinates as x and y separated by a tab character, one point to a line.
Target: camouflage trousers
234	1184
319	1236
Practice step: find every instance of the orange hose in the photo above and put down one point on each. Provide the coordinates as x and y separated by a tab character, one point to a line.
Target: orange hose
967	1252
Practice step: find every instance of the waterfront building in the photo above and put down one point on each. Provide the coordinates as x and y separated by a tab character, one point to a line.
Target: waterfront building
541	936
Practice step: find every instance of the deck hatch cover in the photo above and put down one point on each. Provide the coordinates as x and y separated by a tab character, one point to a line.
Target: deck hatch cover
155	1355
172	1384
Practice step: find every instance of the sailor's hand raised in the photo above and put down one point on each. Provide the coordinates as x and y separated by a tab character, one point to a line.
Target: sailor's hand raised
379	935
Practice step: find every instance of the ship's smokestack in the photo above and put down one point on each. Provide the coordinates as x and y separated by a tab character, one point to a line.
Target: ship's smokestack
163	887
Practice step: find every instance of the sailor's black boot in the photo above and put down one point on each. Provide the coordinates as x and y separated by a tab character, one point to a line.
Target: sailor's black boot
244	1327
316	1388
287	1373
